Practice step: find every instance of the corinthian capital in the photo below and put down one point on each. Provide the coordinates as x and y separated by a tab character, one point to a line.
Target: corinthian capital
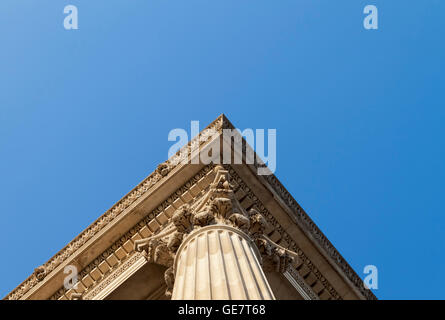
218	206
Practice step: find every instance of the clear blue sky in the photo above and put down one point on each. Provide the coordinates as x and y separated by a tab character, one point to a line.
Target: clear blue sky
85	114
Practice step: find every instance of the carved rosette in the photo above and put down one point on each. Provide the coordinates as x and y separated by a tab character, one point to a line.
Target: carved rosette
218	207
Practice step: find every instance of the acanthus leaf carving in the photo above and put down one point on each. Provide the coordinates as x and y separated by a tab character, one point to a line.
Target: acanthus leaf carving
218	206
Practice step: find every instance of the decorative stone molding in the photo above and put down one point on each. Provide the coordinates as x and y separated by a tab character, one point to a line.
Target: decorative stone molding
258	224
113	276
202	218
139	228
285	238
307	224
302	287
115	211
310	227
218	207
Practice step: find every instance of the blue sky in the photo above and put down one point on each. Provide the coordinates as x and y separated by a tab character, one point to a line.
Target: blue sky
85	115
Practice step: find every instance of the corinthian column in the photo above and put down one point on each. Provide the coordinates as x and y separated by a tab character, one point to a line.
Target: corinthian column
219	262
214	249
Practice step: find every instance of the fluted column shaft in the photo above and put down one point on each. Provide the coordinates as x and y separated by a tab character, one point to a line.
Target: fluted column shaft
219	262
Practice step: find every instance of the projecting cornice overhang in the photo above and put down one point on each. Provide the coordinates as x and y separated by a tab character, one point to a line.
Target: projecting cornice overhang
149	206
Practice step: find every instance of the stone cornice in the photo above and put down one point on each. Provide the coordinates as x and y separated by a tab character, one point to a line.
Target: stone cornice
298	282
291	244
311	228
91	295
109	215
317	235
162	171
90	290
146	226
